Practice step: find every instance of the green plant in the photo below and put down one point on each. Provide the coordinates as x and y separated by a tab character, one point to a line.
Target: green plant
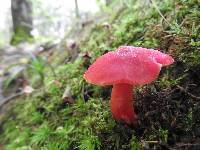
41	135
134	144
37	66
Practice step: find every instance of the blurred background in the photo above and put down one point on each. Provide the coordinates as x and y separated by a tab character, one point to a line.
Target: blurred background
28	27
42	19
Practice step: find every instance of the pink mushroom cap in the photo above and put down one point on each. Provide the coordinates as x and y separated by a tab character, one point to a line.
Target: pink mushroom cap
128	64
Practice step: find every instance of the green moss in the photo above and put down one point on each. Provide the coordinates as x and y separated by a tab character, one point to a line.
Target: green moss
73	126
21	35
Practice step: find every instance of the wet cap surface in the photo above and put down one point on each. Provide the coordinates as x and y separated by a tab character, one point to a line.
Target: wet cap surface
128	64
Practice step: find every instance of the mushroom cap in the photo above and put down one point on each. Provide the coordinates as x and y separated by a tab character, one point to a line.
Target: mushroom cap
128	64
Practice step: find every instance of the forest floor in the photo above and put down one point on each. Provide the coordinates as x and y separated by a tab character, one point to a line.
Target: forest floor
65	112
11	59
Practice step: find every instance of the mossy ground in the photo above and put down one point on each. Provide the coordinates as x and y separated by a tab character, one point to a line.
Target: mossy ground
168	109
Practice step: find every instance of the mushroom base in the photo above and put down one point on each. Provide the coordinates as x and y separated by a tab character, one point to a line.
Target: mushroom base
122	103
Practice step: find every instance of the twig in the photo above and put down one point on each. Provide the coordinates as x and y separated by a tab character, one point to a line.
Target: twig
186	144
156	7
152	142
185	91
8	99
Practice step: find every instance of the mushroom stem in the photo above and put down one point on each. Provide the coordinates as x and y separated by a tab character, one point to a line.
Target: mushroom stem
122	103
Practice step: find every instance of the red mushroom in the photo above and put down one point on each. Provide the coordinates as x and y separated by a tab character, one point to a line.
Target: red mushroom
126	68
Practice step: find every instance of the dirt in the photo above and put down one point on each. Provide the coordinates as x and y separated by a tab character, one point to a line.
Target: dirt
176	110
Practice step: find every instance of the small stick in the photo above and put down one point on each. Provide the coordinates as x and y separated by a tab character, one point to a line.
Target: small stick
191	95
157	9
186	144
152	142
8	99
